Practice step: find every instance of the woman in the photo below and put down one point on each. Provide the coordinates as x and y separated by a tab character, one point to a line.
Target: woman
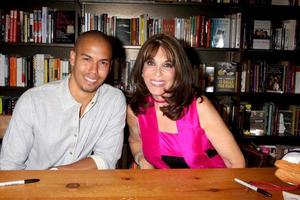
170	126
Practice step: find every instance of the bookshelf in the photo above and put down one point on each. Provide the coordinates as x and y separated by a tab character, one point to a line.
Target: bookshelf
280	122
18	41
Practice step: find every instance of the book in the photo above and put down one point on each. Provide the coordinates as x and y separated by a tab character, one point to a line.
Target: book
261	34
246	116
285	120
64	27
168	26
209	78
225	76
275	78
297	80
123	30
220	32
289	28
257	123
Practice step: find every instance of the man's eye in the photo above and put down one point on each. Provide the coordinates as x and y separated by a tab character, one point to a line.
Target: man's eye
103	64
86	59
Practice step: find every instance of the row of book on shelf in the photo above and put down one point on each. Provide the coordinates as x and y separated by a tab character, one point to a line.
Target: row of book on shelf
278	35
18	71
218	76
47	25
258	76
194	31
270	120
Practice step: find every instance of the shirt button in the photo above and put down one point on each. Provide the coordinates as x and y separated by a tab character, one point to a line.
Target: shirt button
75	135
71	153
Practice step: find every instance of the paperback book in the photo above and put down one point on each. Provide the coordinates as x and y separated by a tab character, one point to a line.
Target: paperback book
261	34
257	123
209	78
64	27
285	120
225	76
275	78
123	30
220	32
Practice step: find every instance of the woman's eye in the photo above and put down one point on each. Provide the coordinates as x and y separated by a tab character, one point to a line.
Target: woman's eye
150	63
168	65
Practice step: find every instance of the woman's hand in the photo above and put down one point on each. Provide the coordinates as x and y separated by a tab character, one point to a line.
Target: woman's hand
144	164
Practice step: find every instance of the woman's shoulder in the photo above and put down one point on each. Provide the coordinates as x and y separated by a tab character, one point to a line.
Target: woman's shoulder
204	105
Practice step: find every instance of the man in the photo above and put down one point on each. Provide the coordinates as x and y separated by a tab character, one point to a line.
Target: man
75	123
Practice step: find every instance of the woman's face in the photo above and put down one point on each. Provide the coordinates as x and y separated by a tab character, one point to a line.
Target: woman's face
158	74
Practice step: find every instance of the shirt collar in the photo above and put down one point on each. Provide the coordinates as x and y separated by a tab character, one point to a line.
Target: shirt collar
68	100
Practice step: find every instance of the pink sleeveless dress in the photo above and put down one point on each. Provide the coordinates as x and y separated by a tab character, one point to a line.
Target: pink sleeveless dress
192	140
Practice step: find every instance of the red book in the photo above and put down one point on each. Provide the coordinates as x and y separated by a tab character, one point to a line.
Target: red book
12	71
168	26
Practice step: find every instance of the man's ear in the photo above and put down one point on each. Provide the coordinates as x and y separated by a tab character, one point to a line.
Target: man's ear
72	57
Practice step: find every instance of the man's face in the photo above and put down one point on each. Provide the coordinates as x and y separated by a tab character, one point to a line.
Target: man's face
91	64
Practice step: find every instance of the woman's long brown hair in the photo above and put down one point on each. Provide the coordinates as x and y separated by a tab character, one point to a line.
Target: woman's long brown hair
181	93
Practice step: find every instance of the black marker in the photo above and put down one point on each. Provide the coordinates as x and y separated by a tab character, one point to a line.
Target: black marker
252	187
19	182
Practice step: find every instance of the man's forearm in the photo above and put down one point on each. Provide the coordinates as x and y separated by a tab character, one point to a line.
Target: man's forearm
84	164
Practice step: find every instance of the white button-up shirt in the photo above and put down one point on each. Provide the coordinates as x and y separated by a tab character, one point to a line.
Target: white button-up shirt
46	130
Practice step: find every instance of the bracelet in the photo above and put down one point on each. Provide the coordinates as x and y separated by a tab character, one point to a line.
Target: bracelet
137	157
53	168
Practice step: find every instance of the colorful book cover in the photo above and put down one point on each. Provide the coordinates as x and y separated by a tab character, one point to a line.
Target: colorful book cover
261	34
123	30
285	120
225	76
64	27
168	26
275	78
209	78
220	32
257	122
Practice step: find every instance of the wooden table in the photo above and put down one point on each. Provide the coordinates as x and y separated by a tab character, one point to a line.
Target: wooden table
138	184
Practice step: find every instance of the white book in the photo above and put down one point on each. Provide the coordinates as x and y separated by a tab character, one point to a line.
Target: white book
232	30
238	30
20	72
297	80
261	34
38	68
2	69
289	27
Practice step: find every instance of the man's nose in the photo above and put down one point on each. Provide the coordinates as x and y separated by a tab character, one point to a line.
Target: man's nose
93	67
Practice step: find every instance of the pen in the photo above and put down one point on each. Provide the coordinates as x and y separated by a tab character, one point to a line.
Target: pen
252	187
19	182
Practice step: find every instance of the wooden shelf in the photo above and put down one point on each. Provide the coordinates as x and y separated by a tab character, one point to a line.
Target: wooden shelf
271	140
41	45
